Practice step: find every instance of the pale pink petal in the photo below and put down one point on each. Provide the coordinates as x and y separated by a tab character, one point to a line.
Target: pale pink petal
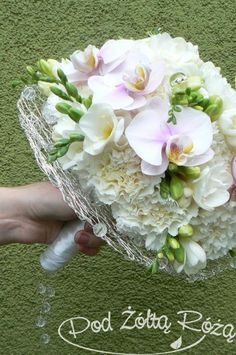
200	159
117	97
195	124
149	169
77	76
156	76
145	136
139	101
114	49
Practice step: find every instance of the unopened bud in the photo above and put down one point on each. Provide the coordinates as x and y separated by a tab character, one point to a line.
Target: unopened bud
61	75
160	255
62	151
72	90
44	67
192	172
76	137
216	100
185	231
232	252
214	112
170	256
173	243
173	168
30	70
176	188
164	189
179	254
60	93
75	114
61	142
87	102
63	107
52	157
215	107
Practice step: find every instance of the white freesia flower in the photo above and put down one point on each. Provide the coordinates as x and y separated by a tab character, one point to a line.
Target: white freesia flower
227	124
45	86
210	190
75	154
195	257
100	126
87	60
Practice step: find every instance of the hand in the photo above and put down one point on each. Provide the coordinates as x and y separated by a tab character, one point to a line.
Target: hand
36	213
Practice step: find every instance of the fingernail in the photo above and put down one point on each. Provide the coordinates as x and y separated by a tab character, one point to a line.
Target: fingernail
83	239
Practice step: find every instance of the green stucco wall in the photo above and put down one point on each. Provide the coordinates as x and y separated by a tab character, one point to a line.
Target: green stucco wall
90	287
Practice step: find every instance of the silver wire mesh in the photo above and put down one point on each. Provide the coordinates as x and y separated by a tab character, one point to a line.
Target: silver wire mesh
39	135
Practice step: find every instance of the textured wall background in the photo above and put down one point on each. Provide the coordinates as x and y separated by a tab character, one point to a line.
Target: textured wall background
31	29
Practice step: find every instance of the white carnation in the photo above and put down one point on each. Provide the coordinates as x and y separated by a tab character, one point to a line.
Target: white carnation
216	231
215	84
116	175
148	219
174	51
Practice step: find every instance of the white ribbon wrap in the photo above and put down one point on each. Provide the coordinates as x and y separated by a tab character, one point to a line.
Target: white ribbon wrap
63	248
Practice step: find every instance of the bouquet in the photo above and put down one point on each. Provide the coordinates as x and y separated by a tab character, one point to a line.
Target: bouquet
140	137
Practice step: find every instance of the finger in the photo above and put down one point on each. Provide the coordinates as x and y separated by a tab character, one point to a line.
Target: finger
88	228
88	251
88	240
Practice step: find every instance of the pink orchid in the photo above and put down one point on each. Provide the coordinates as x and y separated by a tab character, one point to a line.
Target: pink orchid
157	142
127	87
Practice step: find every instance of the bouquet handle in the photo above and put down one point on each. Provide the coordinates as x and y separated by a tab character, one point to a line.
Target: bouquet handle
63	248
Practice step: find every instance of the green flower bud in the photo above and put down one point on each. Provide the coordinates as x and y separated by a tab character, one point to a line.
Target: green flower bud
87	102
216	100
61	142
30	70
63	107
173	243
164	189
48	79
179	99
62	75
44	67
16	82
213	111
62	151
75	114
173	168
52	151
192	172
176	187
60	93
199	108
232	252
185	231
72	90
153	267
170	255
160	255
52	157
204	103
76	137
179	254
